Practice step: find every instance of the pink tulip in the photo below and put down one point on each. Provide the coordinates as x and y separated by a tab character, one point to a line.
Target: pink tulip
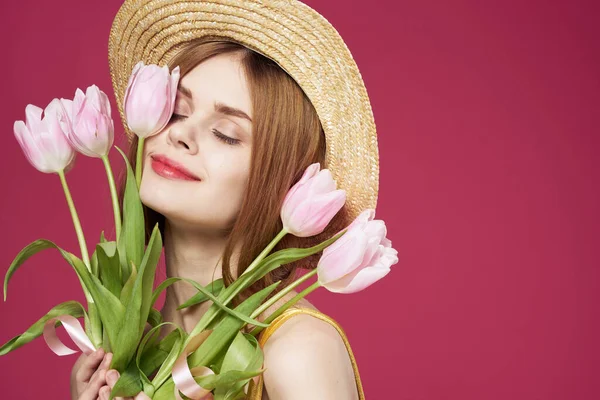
311	203
362	256
150	98
87	123
42	140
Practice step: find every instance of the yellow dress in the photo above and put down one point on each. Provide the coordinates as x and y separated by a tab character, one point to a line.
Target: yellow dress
255	391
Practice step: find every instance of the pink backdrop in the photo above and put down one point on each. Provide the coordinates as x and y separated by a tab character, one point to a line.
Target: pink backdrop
487	115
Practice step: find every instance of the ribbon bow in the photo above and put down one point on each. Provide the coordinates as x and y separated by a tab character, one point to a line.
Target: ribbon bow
183	376
75	332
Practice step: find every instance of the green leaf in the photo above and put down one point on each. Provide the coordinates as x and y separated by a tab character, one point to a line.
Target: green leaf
29	250
108	305
132	240
110	267
72	308
217	302
163	285
128	384
165	369
148	272
149	337
137	306
94	263
94	260
153	356
128	286
154	317
244	354
225	379
215	287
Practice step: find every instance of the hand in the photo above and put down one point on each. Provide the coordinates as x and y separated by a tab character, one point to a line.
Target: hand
88	375
111	378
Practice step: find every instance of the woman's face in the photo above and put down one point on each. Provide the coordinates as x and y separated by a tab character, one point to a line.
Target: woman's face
210	137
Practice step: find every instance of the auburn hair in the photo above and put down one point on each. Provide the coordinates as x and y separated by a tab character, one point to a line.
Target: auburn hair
287	137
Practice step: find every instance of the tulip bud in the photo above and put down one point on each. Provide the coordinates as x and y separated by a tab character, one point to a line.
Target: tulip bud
311	203
150	98
42	140
87	123
362	256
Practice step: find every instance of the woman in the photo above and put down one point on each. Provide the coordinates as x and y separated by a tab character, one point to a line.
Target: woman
242	133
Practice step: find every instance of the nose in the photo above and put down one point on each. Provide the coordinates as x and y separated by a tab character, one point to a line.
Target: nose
181	136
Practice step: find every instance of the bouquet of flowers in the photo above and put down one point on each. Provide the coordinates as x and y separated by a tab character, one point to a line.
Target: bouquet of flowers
216	359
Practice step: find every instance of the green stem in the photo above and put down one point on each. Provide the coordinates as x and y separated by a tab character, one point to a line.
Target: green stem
266	251
96	329
114	197
138	161
287	305
282	293
82	245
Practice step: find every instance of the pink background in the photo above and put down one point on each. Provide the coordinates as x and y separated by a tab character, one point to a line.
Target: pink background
487	114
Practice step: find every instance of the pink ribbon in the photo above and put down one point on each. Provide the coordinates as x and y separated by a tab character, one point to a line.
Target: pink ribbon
183	377
75	332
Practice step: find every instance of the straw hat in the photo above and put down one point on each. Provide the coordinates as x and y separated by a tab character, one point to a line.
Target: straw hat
300	40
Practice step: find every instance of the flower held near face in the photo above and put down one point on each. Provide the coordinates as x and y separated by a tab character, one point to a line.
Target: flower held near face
150	98
362	256
42	139
311	203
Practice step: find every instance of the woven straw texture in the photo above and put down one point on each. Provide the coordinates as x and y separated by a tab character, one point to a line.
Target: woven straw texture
297	38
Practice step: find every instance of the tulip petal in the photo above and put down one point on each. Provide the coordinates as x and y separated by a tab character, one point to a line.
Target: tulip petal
310	172
297	194
23	136
364	277
322	182
312	216
33	117
358	280
291	200
375	231
92	97
342	257
130	84
77	103
105	104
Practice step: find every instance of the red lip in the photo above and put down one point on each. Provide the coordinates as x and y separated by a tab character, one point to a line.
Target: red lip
168	168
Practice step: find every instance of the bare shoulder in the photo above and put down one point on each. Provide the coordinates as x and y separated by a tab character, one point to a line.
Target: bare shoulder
307	358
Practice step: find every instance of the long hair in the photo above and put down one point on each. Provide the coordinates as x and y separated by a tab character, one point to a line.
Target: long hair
287	137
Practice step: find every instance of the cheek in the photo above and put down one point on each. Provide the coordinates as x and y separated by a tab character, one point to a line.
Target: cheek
232	177
152	142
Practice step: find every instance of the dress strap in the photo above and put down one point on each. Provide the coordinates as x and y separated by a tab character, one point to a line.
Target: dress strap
255	391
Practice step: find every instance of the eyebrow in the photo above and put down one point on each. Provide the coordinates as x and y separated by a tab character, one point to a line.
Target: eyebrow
219	107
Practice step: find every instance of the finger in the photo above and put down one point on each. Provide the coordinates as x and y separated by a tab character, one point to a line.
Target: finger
104	392
142	396
93	387
112	376
89	366
106	362
103	365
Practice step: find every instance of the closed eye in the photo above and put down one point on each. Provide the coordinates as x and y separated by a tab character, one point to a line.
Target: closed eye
219	135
